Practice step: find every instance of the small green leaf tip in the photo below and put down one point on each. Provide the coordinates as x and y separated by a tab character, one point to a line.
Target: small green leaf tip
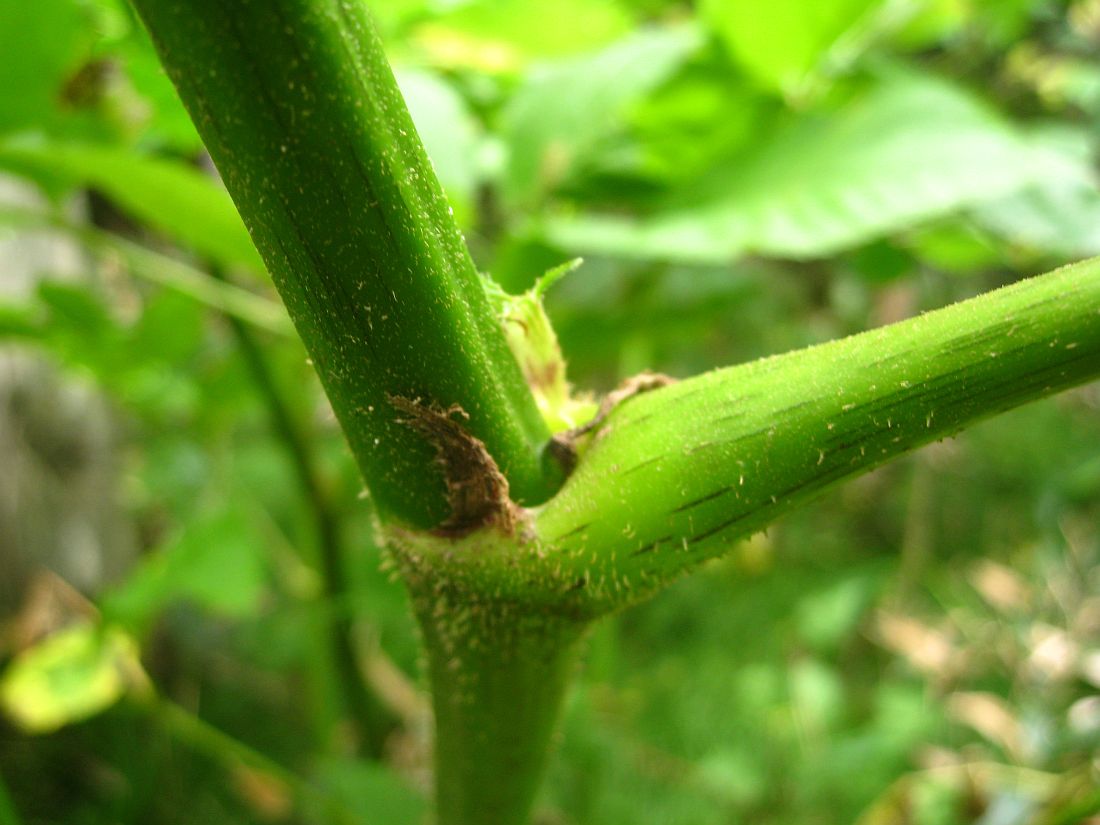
531	338
555	274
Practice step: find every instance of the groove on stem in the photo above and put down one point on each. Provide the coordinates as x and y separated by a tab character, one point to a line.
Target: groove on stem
301	114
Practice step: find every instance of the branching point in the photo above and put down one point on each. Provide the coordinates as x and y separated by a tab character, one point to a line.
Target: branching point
563	446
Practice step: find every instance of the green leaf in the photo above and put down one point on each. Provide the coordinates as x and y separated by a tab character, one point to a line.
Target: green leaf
505	35
1058	215
781	41
75	307
562	111
535	346
223	296
169	196
817	695
827	616
701	116
74	674
905	150
934	22
43	43
733	774
168	123
18	321
162	270
218	564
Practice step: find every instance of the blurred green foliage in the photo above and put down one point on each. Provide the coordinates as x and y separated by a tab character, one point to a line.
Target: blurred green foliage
743	178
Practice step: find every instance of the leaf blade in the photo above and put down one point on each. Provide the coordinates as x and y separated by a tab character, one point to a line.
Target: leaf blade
908	150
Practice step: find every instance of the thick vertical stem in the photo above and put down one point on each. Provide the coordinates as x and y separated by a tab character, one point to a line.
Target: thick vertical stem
499	670
497	689
300	112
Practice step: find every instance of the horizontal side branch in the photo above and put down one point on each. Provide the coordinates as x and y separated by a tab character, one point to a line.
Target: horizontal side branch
674	476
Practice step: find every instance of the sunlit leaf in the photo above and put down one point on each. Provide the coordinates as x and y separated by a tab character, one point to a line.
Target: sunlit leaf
906	150
1058	215
780	41
1061	217
933	22
817	695
505	35
564	109
733	774
72	675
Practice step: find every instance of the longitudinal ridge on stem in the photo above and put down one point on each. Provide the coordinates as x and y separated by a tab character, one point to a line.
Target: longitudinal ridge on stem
673	476
301	114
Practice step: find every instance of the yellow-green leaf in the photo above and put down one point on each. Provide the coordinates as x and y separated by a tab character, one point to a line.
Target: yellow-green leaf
782	41
72	675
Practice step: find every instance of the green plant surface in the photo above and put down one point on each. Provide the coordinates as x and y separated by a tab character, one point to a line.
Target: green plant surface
50	43
674	474
887	640
563	110
679	471
390	276
181	202
168	272
902	149
8	815
782	44
499	672
503	35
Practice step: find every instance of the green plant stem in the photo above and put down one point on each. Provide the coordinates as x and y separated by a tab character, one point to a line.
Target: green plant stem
232	753
300	112
498	673
673	476
299	109
371	719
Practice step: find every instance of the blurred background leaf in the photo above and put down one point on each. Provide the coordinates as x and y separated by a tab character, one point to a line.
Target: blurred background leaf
781	43
902	150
